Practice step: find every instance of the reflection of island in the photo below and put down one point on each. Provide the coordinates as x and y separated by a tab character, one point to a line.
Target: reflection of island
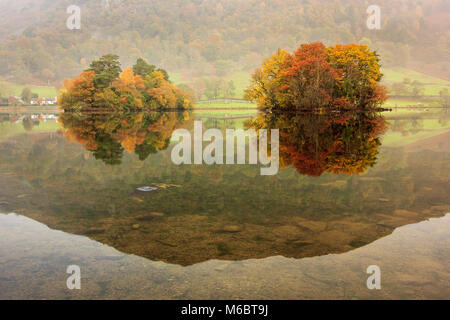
314	143
107	135
200	213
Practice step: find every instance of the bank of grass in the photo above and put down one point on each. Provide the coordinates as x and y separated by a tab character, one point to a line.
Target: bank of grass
390	103
407	102
241	79
41	91
401	112
430	85
225	113
224	105
399	74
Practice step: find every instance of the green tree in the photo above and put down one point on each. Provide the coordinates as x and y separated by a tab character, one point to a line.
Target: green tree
142	68
26	95
106	69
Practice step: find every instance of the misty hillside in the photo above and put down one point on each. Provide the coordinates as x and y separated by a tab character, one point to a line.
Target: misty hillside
211	37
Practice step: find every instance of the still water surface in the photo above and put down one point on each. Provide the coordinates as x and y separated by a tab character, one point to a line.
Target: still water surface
352	191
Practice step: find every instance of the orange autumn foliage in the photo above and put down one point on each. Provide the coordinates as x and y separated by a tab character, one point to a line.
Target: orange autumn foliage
102	88
315	77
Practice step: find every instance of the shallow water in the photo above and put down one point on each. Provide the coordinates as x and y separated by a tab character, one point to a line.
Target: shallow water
221	232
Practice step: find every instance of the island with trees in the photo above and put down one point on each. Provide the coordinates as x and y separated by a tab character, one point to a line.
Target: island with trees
104	86
316	77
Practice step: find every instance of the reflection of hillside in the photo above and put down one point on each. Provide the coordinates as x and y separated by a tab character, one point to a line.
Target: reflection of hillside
208	212
438	143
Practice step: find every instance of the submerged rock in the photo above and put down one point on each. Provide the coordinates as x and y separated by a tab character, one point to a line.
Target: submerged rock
312	226
443	208
232	229
405	213
157	214
150	216
147	189
166	186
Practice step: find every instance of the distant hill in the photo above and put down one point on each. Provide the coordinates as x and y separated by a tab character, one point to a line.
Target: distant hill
209	37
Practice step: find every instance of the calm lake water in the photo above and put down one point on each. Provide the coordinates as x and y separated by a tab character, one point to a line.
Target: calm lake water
352	191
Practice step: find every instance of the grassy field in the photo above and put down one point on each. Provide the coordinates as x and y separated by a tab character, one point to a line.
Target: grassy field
224	105
241	79
225	113
431	85
398	74
16	89
390	103
406	102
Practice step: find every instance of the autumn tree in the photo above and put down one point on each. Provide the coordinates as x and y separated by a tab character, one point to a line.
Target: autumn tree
267	82
309	80
360	74
78	93
318	77
104	86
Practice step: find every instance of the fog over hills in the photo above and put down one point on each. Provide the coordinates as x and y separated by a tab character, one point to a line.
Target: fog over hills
211	37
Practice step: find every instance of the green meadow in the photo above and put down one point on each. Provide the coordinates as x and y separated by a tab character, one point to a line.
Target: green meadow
431	87
398	74
16	89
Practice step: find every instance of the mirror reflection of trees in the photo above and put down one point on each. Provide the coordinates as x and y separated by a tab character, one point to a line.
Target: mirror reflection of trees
315	143
109	135
223	212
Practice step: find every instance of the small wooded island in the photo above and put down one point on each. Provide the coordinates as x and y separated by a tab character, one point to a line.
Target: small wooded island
316	77
104	86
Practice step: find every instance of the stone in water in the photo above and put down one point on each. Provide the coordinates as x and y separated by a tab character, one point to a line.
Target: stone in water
147	189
